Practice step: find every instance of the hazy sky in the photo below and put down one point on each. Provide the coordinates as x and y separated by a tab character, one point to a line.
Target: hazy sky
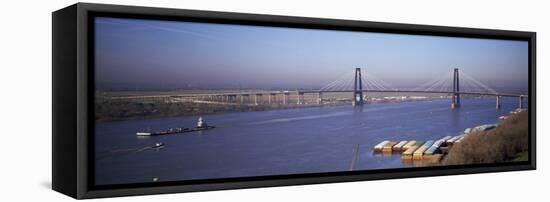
150	53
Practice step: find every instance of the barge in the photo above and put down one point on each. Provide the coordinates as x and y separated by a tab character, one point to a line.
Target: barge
417	155
387	148
380	146
407	155
408	145
399	146
201	125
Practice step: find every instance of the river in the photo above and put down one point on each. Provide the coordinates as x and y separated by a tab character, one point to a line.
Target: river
291	141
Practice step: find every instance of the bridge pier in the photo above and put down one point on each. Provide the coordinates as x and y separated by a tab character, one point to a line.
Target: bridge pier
520	102
455	101
300	98
231	98
243	98
498	102
256	96
285	97
319	98
272	97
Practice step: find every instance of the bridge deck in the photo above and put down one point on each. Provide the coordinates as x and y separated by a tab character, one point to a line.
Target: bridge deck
419	91
321	91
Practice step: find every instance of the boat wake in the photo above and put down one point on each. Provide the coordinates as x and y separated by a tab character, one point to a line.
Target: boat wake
292	119
155	147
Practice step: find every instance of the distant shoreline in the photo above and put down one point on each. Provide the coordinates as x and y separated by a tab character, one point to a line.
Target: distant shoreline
129	110
155	110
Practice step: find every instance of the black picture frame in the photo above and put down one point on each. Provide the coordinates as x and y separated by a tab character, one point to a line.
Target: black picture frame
73	98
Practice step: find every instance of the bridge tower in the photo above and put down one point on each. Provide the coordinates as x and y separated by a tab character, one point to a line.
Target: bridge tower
358	88
456	90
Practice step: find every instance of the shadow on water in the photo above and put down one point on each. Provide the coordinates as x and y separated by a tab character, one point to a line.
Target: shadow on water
358	109
456	117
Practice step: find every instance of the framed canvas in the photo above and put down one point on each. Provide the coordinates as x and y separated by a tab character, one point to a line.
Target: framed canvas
156	100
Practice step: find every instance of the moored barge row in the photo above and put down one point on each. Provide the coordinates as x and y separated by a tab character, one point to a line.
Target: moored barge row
426	150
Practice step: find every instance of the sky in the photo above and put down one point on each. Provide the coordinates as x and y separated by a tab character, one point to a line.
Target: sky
152	54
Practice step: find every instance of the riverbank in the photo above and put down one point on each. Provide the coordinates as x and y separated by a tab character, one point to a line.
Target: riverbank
508	142
128	110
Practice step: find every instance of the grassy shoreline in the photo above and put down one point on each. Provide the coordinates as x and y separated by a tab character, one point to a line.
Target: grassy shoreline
508	142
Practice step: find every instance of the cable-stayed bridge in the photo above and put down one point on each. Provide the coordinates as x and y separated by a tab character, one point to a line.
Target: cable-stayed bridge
454	83
358	84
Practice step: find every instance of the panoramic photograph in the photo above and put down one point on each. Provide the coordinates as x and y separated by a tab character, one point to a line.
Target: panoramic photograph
178	101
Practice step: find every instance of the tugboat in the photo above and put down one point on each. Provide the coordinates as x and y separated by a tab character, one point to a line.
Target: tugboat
201	125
